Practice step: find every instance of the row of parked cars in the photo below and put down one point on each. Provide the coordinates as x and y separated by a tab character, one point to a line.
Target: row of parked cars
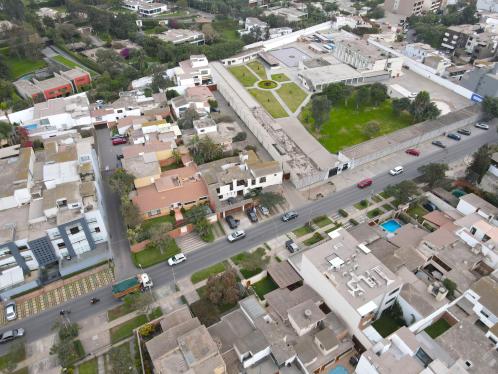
10	311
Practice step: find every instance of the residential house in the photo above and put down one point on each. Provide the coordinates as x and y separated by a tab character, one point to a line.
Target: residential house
192	72
180	36
404	7
471	203
279	31
174	189
457	37
290	14
482	79
197	97
253	25
205	125
351	280
146	8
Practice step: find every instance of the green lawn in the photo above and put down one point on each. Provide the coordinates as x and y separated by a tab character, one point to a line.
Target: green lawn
322	221
292	95
376	198
416	211
89	367
345	125
19	66
67	62
362	204
205	273
117	312
374	213
437	328
314	239
264	286
387	207
385	325
152	255
258	68
280	77
147	224
243	75
227	29
269	102
302	231
18	356
125	330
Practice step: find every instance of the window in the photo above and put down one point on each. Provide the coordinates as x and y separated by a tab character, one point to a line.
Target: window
97	229
61	245
393	292
469	363
153	212
390	300
262	180
74	230
241	182
484	313
473	230
231	186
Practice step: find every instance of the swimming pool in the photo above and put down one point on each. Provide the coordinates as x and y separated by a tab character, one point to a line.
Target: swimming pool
339	369
392	225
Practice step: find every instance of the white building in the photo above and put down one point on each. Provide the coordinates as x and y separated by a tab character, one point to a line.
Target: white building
487	5
192	72
147	8
279	31
483	294
351	280
471	203
205	125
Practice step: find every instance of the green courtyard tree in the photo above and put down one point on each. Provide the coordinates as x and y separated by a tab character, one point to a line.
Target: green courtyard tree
159	236
197	217
255	260
270	199
490	106
433	174
480	164
121	360
337	93
205	150
130	213
362	96
378	93
422	108
402	191
222	288
400	105
320	108
121	182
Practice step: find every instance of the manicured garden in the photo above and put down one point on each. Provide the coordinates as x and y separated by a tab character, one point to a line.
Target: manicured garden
264	286
374	213
147	224
89	367
19	66
416	211
322	221
243	75
346	125
314	239
269	102
205	273
251	264
280	77
437	328
152	255
386	325
258	68
292	95
267	84
125	330
302	231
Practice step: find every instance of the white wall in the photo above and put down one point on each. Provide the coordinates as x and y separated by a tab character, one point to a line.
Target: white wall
11	276
465	208
364	366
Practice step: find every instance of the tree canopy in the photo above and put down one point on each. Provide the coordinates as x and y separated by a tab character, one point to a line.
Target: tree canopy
433	174
402	191
480	164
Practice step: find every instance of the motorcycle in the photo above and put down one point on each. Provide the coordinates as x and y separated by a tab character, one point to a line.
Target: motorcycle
94	300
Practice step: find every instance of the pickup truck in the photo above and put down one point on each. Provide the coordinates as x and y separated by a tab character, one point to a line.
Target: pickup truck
140	282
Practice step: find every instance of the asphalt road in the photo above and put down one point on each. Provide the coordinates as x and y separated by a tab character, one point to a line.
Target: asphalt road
40	324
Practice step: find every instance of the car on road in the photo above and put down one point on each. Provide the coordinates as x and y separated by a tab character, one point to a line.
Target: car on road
365	183
264	210
10	335
454	136
214	110
11	311
177	259
251	213
482	126
291	246
232	222
413	152
465	132
289	216
117	141
236	235
397	170
439	144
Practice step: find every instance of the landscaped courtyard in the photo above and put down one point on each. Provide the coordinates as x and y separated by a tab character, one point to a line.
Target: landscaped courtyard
269	102
346	125
292	95
243	75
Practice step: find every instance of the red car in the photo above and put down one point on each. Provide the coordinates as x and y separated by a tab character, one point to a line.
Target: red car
413	152
117	141
365	183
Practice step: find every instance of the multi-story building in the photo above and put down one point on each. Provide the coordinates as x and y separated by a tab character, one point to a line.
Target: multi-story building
404	7
253	25
457	37
146	8
197	97
352	281
192	72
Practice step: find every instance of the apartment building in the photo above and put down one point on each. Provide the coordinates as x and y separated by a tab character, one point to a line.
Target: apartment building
404	7
352	281
58	228
459	37
61	85
192	72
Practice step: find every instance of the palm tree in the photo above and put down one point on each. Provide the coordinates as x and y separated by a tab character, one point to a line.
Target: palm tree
6	131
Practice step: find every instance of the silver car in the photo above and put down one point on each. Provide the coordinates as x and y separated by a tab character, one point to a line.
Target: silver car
10	311
236	235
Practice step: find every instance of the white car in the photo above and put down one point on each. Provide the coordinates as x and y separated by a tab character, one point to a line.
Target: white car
10	311
176	259
481	125
264	210
397	170
236	235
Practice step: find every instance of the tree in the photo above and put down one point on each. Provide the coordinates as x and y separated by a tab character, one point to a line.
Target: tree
256	260
159	82
402	191
110	61
376	13
13	9
422	108
240	136
270	199
433	174
205	150
197	217
121	182
159	236
400	105
121	360
170	94
65	348
16	353
138	301
362	96
210	34
222	288
188	118
5	131
337	93
130	213
451	287
371	129
320	108
378	93
480	164
490	106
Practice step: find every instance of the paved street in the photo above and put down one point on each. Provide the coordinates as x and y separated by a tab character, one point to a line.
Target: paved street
39	325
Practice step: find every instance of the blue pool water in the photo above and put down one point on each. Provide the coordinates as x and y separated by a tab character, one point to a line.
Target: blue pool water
392	225
339	369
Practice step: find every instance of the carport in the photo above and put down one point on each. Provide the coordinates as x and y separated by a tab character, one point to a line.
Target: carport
283	274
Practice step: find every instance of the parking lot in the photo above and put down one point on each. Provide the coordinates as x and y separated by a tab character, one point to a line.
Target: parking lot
245	222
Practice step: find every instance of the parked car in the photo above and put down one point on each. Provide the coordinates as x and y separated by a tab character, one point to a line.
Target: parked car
10	335
251	213
464	132
397	170
117	141
439	144
214	110
264	210
365	183
413	151
482	126
11	311
232	222
289	215
454	136
291	246
236	235
177	259
116	136
429	206
353	360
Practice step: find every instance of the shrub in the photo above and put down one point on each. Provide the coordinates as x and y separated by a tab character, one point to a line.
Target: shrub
353	222
241	136
170	94
147	329
451	287
343	213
